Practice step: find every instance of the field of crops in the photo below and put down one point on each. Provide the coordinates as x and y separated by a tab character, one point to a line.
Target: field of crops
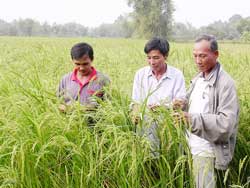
42	147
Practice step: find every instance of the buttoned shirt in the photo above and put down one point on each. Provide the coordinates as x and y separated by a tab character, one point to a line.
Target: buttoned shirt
199	103
146	86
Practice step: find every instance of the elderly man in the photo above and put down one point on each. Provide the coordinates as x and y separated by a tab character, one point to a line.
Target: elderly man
213	113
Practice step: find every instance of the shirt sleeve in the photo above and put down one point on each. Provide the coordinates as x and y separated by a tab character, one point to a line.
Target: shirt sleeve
136	89
180	89
59	92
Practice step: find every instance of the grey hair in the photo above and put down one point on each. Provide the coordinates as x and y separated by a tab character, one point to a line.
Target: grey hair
211	39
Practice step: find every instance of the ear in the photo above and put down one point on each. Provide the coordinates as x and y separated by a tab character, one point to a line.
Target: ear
216	54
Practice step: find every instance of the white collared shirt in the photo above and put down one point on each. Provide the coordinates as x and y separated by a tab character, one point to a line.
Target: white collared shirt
147	87
199	103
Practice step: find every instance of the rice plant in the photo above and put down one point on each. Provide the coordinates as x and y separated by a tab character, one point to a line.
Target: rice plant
42	147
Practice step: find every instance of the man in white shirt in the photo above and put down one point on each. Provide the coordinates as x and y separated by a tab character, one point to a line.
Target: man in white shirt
212	113
156	84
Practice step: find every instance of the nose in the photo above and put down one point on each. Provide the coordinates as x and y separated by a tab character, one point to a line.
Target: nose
197	60
151	61
81	67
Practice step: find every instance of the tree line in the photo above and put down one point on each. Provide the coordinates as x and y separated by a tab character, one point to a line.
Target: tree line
149	18
236	28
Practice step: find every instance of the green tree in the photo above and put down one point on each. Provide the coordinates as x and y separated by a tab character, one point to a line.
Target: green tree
245	36
152	17
183	31
124	26
235	19
244	25
4	28
27	27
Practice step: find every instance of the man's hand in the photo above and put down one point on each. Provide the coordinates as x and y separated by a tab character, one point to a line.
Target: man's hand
179	104
187	117
182	118
135	113
62	108
153	107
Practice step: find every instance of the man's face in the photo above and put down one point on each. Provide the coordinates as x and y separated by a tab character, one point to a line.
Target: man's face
83	65
205	59
156	60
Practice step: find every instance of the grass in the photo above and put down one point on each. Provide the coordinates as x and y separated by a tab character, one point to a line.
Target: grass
42	147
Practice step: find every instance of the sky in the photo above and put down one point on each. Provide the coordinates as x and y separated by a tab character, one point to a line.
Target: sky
92	13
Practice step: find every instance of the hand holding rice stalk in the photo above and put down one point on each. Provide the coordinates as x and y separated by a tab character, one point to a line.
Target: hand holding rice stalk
180	116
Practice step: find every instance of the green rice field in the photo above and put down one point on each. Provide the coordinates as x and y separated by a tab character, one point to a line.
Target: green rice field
43	147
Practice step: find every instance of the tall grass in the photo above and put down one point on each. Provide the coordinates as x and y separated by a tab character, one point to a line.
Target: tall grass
42	147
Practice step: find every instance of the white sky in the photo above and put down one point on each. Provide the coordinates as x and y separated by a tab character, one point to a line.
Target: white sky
203	12
92	13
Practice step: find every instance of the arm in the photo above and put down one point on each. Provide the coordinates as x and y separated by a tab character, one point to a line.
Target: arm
60	89
220	126
180	90
136	98
59	94
136	92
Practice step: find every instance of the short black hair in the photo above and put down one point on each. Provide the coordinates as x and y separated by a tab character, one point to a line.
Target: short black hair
211	39
81	49
157	43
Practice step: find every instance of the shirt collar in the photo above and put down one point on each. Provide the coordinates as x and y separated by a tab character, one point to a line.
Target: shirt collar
167	74
92	76
212	77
